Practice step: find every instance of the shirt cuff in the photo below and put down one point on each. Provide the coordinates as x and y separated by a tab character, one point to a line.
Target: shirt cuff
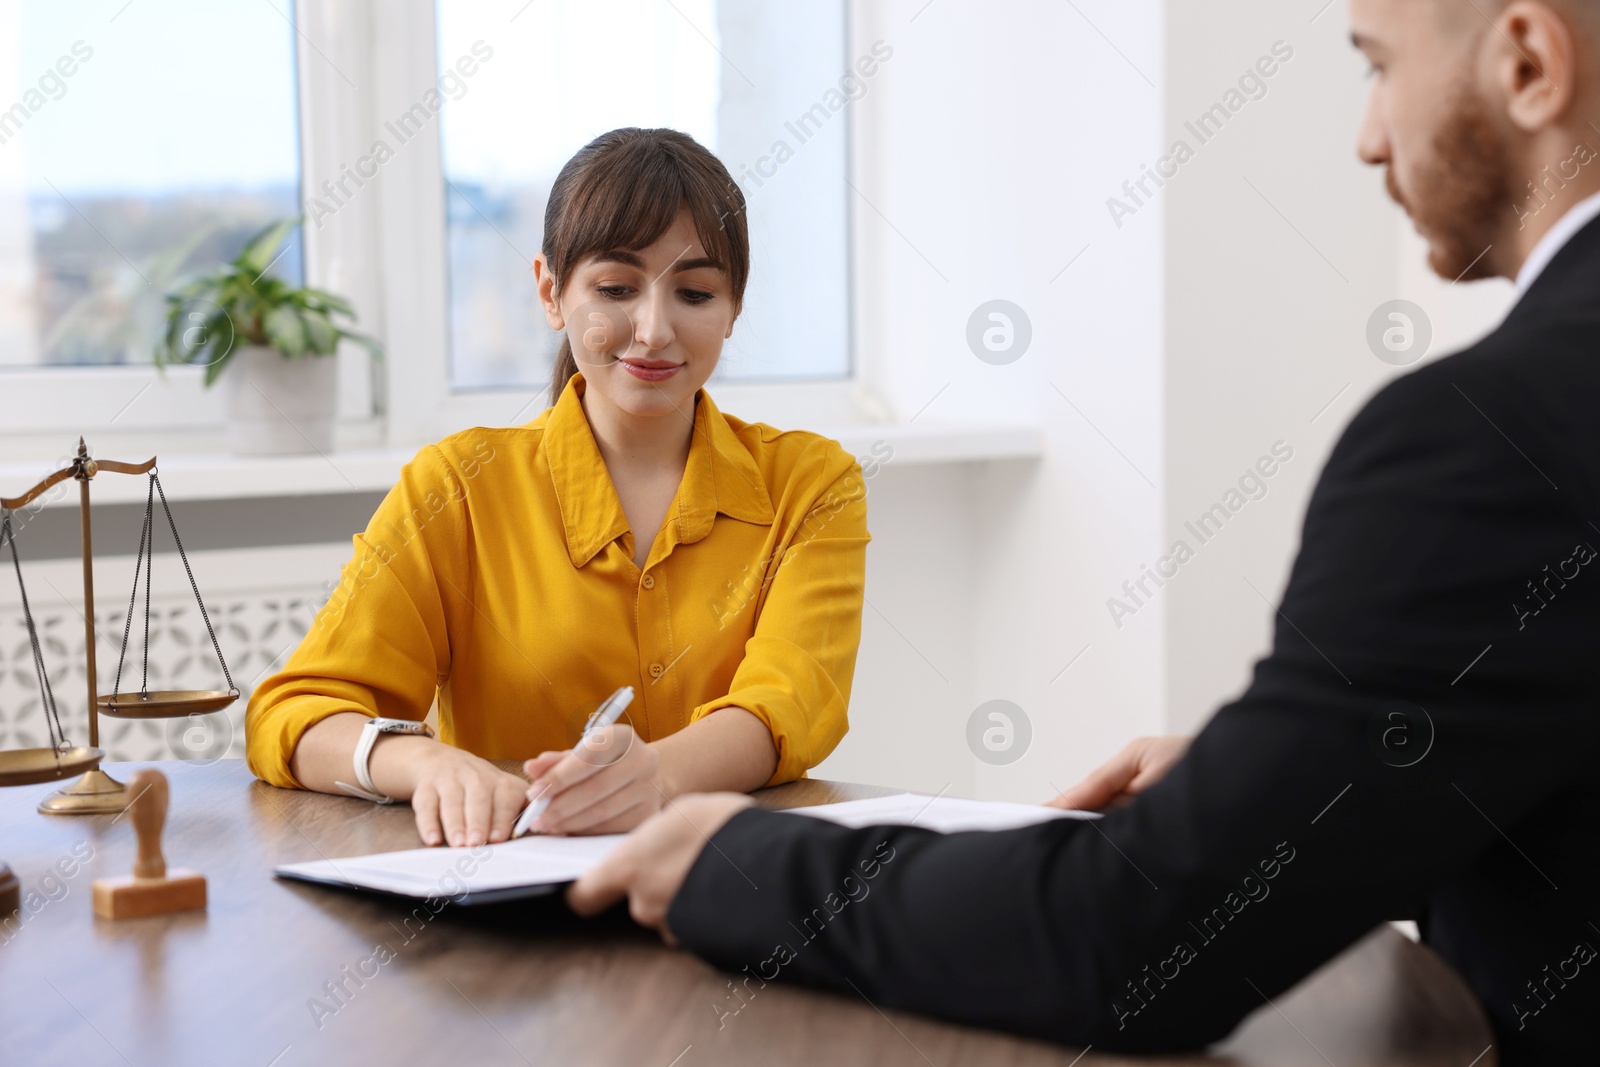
794	697
270	744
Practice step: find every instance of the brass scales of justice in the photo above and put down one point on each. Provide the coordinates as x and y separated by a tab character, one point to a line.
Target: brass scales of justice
96	792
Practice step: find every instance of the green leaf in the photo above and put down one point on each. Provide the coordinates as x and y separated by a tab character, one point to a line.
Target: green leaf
166	348
322	335
326	301
374	349
285	331
259	251
200	288
220	339
214	369
247	307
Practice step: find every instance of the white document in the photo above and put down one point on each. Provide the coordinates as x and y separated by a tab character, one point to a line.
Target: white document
947	815
539	862
525	862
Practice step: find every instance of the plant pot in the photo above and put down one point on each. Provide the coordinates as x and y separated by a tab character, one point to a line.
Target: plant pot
278	406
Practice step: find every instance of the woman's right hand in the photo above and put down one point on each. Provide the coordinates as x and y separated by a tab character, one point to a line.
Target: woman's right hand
459	798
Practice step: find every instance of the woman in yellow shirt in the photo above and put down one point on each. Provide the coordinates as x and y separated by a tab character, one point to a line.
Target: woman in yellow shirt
632	534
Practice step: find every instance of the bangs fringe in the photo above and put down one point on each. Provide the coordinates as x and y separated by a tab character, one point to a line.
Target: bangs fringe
628	199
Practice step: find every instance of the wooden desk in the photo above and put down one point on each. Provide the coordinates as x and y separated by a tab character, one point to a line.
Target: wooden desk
513	984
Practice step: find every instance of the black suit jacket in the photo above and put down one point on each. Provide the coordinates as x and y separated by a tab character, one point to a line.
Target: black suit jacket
1420	742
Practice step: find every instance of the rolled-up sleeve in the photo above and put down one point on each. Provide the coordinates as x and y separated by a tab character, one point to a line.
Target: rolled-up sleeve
380	645
798	664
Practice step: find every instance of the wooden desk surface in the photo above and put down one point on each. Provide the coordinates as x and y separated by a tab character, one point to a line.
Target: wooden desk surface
516	983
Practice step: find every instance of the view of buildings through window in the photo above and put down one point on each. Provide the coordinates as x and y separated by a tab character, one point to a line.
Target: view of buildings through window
736	78
106	198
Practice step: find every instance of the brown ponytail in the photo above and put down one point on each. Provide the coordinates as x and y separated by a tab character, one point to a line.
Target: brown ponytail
566	367
622	191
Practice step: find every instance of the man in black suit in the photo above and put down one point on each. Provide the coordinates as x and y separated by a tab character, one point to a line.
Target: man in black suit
1421	740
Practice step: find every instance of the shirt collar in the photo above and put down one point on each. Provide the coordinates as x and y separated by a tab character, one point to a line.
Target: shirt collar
720	476
1555	238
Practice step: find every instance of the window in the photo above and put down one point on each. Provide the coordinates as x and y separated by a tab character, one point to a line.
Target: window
737	75
135	145
141	141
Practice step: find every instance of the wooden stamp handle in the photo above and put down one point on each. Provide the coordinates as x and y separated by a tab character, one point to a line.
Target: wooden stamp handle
149	789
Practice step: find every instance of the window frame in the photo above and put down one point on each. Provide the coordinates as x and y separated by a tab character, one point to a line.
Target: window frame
420	403
141	403
385	249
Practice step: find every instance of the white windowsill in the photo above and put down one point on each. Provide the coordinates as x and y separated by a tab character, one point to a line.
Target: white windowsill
220	476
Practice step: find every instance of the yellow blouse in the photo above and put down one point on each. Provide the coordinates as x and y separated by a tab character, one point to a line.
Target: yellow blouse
499	575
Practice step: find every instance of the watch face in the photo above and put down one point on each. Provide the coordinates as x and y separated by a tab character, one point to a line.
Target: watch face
400	726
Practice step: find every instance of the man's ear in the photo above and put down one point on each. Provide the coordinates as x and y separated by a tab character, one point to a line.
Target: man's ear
546	283
1534	63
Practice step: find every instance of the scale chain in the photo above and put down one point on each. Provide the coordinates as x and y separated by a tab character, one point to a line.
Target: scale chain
146	541
155	478
58	736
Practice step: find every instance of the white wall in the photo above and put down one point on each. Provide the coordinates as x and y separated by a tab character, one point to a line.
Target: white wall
1279	246
1267	311
1226	313
914	675
982	155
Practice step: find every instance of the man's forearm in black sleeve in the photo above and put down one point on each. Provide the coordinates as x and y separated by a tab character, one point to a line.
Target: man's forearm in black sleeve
1300	818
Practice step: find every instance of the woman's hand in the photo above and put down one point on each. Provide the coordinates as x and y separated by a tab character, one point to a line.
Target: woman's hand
456	796
608	783
1142	763
650	866
459	798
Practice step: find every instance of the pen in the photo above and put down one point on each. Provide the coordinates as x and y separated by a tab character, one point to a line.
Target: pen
606	715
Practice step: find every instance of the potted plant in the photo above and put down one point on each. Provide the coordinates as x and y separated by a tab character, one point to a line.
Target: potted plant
281	391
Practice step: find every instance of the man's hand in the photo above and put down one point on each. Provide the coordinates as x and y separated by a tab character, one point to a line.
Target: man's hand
650	866
606	784
1141	764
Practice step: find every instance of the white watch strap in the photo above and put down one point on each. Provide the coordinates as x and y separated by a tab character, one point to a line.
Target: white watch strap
355	790
363	755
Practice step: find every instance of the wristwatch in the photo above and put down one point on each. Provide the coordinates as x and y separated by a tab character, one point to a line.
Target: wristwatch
369	737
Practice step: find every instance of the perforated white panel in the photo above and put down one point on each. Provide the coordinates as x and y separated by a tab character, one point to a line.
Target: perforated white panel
261	604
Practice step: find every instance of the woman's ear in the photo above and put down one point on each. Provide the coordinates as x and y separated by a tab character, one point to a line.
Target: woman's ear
546	283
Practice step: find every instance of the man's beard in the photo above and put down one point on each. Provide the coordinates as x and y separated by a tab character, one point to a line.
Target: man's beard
1461	194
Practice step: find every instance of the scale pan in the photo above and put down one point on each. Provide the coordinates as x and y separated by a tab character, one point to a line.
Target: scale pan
26	766
165	703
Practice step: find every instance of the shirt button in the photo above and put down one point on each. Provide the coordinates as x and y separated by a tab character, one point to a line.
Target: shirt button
648	581
656	670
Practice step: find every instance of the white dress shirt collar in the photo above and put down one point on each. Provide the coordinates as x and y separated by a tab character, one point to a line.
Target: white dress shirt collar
1555	238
